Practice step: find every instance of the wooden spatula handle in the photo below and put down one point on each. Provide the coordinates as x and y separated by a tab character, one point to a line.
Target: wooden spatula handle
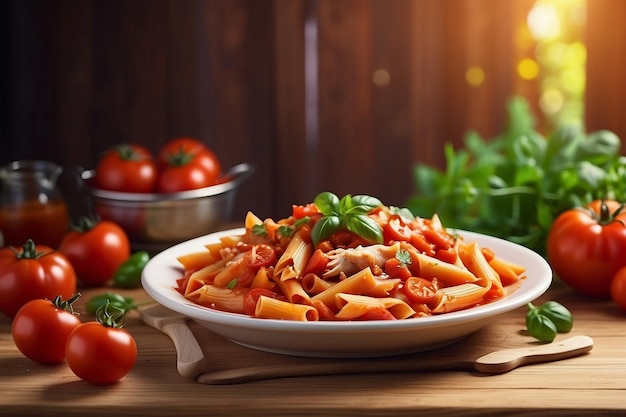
190	360
493	363
508	359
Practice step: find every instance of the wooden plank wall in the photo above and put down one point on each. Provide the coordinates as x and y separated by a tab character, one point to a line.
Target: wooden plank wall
344	96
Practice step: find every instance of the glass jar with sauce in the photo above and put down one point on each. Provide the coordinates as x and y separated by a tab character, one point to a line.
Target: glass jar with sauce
31	206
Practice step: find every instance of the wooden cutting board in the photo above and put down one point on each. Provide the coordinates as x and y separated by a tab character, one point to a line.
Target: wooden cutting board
229	363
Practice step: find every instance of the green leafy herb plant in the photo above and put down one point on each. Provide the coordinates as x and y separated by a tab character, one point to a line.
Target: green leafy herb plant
516	184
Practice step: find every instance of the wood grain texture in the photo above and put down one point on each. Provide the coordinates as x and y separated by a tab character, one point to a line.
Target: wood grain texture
591	384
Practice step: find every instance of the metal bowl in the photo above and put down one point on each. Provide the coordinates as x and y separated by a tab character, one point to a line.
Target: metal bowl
154	221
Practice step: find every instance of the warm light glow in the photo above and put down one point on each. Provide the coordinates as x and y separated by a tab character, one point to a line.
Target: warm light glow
557	27
551	101
381	77
528	69
475	76
543	21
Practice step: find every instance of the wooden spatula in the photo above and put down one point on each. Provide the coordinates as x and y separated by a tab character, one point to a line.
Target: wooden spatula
190	360
493	363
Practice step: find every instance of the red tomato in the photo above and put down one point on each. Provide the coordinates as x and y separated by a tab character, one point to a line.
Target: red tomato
41	327
317	263
300	211
37	271
186	164
396	229
618	289
99	354
420	290
96	250
395	268
260	255
251	297
586	247
376	313
127	168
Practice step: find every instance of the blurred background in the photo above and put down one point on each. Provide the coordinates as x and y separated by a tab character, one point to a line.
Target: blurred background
319	95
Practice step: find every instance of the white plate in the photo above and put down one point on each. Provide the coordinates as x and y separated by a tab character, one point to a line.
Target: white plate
345	339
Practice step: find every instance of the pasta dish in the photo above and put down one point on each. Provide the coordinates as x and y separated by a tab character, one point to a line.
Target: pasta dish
348	259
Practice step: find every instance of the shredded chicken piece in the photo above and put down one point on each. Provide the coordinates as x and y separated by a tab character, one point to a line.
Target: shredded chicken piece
350	261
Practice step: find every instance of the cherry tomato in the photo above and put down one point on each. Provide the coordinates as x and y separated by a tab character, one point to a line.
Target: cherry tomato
37	271
100	354
396	229
251	297
586	247
41	327
127	168
260	255
395	268
618	289
420	290
186	164
96	250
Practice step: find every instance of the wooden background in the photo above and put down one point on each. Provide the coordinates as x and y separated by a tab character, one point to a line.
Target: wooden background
345	96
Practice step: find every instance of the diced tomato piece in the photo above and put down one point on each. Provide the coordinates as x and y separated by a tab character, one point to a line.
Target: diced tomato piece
376	313
317	263
396	230
300	211
397	269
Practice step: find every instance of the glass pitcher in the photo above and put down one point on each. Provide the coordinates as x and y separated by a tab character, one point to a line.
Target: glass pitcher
31	206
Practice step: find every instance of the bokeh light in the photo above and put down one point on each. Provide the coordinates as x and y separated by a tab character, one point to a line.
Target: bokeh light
475	76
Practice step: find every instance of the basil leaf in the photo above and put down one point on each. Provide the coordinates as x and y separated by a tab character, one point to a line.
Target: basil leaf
540	326
366	201
325	227
559	315
345	204
405	213
327	203
364	226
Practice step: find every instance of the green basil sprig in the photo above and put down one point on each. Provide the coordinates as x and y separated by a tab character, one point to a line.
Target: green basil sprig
350	213
545	321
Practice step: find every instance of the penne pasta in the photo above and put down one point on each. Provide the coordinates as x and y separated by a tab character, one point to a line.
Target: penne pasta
263	279
352	306
460	297
292	289
296	255
218	298
448	274
270	308
358	283
419	269
314	284
473	257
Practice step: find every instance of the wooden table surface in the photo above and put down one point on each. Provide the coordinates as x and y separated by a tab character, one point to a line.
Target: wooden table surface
592	384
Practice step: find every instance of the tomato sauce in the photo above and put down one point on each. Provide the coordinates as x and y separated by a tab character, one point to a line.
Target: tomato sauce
44	223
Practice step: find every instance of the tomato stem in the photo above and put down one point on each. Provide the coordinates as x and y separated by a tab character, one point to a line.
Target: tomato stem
66	305
127	153
180	158
86	223
606	217
110	315
29	251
